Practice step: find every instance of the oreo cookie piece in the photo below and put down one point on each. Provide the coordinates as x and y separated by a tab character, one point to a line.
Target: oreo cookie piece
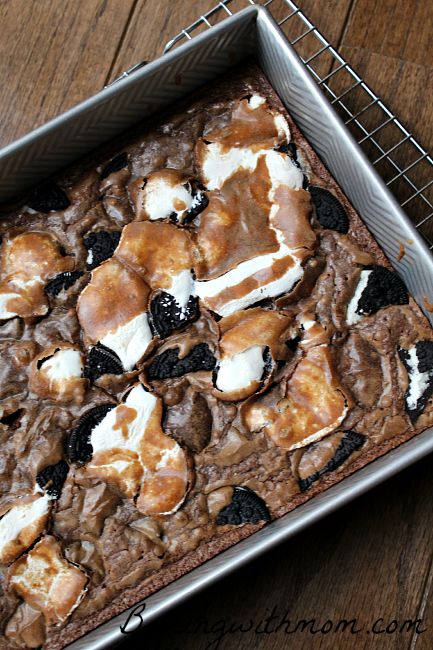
48	198
199	203
61	282
418	361
329	211
348	444
102	361
52	478
78	447
246	507
167	364
100	246
167	316
115	165
383	288
290	149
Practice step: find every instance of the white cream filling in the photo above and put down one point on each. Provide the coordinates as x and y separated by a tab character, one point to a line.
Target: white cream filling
89	259
241	370
104	436
210	288
130	341
182	287
418	381
161	198
352	316
64	364
19	517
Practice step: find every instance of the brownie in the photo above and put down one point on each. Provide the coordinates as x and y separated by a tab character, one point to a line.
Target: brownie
198	334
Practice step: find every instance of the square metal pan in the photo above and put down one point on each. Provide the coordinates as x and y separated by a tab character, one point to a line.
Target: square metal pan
251	32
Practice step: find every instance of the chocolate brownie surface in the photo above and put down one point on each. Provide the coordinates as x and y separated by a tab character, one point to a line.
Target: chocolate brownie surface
216	337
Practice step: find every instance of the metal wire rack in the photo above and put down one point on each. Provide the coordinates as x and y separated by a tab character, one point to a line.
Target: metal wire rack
405	166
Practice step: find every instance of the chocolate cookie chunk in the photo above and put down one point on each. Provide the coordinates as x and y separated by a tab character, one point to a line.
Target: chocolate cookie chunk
167	316
246	507
190	422
418	362
168	364
52	478
100	246
78	447
48	198
102	361
349	443
115	165
383	288
329	211
61	282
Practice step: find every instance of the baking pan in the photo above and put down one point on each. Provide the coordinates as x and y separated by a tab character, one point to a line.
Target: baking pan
250	32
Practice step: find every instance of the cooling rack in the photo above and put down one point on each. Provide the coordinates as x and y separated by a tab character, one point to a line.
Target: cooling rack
405	166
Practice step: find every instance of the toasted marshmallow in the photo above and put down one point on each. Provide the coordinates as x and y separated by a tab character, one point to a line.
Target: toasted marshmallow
271	274
242	371
248	281
352	316
56	373
22	525
131	450
251	341
218	164
130	341
311	331
166	194
48	582
314	404
113	310
252	124
28	260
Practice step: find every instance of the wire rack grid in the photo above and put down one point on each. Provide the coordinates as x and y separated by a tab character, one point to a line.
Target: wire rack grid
405	166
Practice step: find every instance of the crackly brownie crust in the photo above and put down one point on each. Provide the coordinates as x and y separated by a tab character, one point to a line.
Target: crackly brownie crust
218	435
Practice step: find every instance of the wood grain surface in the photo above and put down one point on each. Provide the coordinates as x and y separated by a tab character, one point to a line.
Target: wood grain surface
372	561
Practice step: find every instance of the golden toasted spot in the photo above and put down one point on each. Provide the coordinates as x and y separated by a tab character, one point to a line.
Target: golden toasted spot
48	582
125	415
292	218
313	406
247	127
114	296
155	251
255	326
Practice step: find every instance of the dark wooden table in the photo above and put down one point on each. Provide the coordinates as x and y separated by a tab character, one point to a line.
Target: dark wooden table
372	561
